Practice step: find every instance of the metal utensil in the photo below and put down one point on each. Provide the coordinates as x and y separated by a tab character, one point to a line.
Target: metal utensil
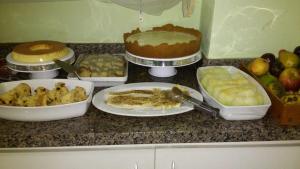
177	94
67	67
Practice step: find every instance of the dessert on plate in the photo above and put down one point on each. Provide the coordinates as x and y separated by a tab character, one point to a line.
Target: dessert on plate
101	65
22	95
39	51
167	41
142	99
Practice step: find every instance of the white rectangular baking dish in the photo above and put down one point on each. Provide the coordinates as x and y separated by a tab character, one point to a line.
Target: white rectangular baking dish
103	81
236	112
46	113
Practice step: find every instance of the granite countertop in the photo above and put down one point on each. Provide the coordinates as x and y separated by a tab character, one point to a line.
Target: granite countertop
100	128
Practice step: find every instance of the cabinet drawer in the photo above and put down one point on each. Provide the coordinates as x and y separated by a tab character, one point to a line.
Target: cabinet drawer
79	159
228	158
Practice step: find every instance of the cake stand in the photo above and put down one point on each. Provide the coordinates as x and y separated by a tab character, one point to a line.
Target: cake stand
45	70
163	67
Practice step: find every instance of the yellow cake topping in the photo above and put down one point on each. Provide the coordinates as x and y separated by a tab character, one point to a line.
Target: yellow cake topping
155	38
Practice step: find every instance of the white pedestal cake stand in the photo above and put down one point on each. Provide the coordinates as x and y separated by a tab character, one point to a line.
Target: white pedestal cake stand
163	67
45	70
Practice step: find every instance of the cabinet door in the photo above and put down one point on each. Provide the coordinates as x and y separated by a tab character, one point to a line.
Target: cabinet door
229	158
83	159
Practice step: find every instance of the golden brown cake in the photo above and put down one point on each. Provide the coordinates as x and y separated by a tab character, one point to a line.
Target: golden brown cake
39	51
168	41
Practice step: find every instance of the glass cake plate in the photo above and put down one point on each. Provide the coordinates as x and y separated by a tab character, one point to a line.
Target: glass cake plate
39	70
163	67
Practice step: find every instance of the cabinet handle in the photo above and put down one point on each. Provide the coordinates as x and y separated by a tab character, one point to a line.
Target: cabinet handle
173	165
136	166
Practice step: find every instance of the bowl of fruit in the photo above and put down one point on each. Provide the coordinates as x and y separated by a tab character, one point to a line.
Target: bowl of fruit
280	76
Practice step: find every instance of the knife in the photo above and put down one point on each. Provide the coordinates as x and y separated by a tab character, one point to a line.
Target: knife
67	67
181	96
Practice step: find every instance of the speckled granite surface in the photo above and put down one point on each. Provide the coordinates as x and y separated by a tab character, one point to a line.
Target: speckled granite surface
100	128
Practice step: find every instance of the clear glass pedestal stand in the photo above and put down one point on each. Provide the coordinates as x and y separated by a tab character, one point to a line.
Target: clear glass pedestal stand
163	67
45	70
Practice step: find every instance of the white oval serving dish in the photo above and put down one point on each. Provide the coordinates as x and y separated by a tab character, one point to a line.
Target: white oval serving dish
46	113
236	112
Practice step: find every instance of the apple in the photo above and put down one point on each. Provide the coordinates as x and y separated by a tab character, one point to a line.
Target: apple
259	66
290	79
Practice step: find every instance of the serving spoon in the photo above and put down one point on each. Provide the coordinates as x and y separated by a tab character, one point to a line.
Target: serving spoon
178	95
67	67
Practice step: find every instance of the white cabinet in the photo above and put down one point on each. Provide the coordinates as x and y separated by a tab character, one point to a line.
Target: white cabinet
78	159
229	157
264	155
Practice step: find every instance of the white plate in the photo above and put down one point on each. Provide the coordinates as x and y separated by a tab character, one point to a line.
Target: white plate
12	61
158	62
236	112
100	97
46	113
165	59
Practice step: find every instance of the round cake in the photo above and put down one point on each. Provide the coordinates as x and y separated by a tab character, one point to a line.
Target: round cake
39	51
168	41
